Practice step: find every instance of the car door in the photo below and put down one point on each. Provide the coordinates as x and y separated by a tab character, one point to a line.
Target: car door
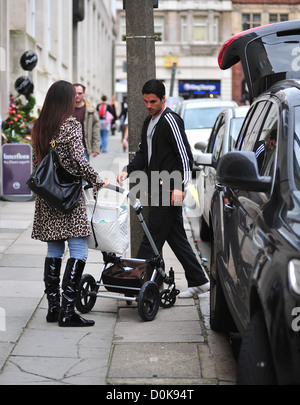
209	172
248	233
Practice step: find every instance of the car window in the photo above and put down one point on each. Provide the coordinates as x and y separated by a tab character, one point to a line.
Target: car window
271	57
252	125
219	139
214	132
266	145
297	148
235	127
197	118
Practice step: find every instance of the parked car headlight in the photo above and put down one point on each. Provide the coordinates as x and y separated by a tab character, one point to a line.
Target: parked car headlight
294	275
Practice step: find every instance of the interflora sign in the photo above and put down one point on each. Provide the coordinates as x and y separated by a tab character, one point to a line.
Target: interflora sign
16	169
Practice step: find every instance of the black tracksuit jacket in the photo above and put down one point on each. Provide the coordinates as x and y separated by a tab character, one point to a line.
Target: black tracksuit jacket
170	149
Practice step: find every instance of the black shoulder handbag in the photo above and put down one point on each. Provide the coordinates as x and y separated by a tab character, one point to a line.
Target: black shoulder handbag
52	182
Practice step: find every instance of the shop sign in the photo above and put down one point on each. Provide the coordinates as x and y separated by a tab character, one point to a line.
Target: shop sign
16	162
200	87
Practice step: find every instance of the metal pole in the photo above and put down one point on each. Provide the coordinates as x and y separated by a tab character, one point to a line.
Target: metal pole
173	78
140	43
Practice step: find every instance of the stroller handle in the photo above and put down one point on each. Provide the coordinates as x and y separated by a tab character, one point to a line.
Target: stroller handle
109	187
117	189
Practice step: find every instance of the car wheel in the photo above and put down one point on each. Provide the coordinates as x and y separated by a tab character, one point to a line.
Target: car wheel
204	230
255	364
220	317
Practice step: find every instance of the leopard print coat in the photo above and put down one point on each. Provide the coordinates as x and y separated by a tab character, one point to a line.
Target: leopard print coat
50	224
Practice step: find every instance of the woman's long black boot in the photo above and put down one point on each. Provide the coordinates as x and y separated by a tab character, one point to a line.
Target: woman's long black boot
71	280
52	289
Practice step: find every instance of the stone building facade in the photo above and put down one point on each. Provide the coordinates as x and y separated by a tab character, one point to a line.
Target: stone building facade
189	33
74	41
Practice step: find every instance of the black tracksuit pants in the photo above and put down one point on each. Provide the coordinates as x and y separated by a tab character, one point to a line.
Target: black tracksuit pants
166	225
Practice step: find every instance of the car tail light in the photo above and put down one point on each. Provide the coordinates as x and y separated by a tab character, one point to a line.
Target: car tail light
294	275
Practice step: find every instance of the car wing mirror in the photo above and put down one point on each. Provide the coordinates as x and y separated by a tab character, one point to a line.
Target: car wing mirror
239	170
204	159
200	146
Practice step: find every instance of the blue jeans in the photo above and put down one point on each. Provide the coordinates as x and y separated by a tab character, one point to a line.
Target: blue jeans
78	248
103	139
86	155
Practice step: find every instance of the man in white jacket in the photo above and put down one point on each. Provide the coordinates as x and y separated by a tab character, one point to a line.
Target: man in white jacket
87	115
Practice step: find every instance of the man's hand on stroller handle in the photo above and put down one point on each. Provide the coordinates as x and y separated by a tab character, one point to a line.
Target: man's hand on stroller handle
121	177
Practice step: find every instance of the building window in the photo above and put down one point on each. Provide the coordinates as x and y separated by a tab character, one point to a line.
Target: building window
184	29
159	28
123	28
204	29
250	20
200	29
216	30
273	18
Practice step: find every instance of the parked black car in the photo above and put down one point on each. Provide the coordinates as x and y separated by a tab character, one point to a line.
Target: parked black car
255	263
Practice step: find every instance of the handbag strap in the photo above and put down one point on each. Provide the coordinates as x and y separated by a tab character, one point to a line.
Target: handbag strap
53	144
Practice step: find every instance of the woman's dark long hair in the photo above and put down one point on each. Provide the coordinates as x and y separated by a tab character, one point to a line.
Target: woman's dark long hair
59	105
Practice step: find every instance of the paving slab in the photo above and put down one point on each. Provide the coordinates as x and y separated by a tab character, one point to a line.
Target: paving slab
155	360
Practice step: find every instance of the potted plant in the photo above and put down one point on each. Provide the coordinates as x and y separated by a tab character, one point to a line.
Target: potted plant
18	125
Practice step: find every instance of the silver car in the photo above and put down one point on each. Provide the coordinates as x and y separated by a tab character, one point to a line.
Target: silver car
222	140
199	116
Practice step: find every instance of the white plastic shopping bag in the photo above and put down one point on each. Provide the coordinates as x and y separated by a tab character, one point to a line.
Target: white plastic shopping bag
109	223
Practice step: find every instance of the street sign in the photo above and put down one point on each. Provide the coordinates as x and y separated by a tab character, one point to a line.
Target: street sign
16	167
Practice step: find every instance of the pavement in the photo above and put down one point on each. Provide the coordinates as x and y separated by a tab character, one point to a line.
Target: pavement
177	348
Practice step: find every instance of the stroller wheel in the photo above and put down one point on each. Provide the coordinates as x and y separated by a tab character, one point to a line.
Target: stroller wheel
148	301
85	300
129	302
167	300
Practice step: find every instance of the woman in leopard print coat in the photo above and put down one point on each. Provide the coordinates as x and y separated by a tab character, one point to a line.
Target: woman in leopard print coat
51	225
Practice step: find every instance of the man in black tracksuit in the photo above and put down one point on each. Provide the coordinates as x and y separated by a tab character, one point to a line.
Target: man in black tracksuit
164	149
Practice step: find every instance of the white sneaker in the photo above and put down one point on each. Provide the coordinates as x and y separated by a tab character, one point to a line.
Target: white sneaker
191	291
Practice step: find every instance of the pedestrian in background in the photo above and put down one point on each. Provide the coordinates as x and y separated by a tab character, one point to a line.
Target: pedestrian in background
126	133
56	121
87	115
164	148
123	116
106	118
114	108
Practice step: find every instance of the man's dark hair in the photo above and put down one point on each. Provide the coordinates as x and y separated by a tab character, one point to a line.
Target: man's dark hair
156	87
79	84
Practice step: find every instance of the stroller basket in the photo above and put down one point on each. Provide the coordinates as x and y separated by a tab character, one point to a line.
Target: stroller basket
126	274
140	280
129	274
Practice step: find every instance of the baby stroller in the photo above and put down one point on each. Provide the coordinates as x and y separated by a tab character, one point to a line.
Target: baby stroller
138	280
